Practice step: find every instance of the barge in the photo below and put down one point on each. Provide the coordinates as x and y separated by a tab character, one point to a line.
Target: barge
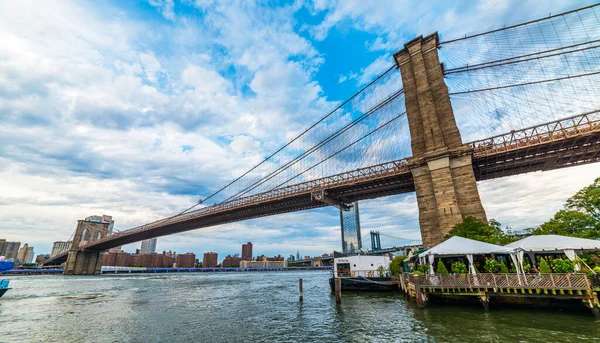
363	273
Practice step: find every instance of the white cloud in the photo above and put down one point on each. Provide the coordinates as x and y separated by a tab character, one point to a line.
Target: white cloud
166	7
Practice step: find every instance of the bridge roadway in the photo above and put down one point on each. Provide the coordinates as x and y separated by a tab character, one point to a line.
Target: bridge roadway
558	144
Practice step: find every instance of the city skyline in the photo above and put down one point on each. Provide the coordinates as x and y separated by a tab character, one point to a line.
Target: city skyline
144	163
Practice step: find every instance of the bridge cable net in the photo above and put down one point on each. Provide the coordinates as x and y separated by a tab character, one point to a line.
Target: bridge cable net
381	241
367	129
526	74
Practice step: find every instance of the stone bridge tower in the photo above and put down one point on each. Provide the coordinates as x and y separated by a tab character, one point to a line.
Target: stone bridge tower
86	262
441	165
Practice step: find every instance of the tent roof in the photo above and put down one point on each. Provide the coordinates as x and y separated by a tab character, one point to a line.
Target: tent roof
463	246
554	242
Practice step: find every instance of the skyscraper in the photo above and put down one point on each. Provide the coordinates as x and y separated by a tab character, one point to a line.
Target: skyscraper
23	254
30	255
10	249
148	246
247	251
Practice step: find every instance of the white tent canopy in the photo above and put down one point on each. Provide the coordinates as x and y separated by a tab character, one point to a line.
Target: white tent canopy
550	243
460	246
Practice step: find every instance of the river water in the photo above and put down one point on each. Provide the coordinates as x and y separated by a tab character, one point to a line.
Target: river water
255	307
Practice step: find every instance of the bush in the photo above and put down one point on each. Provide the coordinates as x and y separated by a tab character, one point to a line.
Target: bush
458	268
492	266
423	268
396	265
441	268
503	268
544	267
526	268
597	269
417	272
562	266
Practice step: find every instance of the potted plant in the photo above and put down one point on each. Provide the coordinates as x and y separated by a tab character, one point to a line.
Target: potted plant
458	268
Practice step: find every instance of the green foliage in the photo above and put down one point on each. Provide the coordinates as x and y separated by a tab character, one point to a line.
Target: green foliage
441	268
381	270
474	228
597	269
559	265
492	266
544	267
503	268
417	272
423	268
570	223
458	268
396	264
526	267
587	200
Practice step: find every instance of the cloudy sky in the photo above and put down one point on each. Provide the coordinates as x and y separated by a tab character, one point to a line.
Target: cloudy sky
136	108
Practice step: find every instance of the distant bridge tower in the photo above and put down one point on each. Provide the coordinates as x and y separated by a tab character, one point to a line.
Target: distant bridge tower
375	241
86	262
441	165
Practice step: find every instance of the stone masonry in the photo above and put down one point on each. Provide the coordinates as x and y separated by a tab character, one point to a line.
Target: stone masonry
441	165
86	262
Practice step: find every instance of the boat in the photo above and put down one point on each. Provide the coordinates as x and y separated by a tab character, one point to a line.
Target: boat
3	287
5	265
363	273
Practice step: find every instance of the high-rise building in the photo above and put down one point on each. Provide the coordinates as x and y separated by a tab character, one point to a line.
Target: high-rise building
59	247
297	255
30	256
247	251
23	254
231	261
41	258
102	219
10	250
2	242
210	260
148	246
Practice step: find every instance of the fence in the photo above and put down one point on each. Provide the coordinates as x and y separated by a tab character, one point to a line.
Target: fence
524	281
359	273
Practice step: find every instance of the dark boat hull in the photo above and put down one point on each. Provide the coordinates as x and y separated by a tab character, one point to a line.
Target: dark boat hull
366	284
2	291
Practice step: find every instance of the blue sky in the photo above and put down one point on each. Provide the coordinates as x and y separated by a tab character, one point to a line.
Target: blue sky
137	108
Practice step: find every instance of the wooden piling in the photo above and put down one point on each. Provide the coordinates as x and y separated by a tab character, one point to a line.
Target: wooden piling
338	290
300	288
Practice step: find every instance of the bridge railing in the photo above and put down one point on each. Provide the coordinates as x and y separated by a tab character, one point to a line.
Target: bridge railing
540	134
358	273
575	282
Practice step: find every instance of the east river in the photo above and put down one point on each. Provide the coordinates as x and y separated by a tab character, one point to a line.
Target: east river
255	307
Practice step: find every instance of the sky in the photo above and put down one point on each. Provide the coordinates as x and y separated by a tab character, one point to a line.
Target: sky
136	109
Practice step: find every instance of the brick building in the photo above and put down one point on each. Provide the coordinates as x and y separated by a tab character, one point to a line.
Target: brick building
247	251
186	260
231	261
210	260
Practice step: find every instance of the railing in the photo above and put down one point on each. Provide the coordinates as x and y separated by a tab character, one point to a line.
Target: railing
358	273
540	134
525	281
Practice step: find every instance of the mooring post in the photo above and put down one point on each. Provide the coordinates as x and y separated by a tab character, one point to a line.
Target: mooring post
300	287
338	290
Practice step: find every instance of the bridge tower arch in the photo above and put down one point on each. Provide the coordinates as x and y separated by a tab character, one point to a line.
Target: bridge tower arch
86	262
441	164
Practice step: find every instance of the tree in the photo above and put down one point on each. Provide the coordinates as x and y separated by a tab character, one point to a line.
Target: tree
571	223
544	267
503	268
474	228
587	200
396	265
441	268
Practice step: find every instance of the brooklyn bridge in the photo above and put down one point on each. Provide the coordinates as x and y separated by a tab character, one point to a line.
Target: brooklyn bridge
444	115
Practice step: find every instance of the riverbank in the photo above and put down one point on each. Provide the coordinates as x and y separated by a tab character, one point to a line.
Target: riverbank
142	270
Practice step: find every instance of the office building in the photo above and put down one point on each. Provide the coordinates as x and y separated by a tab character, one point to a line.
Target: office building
23	254
148	246
210	260
247	251
30	256
10	250
59	247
